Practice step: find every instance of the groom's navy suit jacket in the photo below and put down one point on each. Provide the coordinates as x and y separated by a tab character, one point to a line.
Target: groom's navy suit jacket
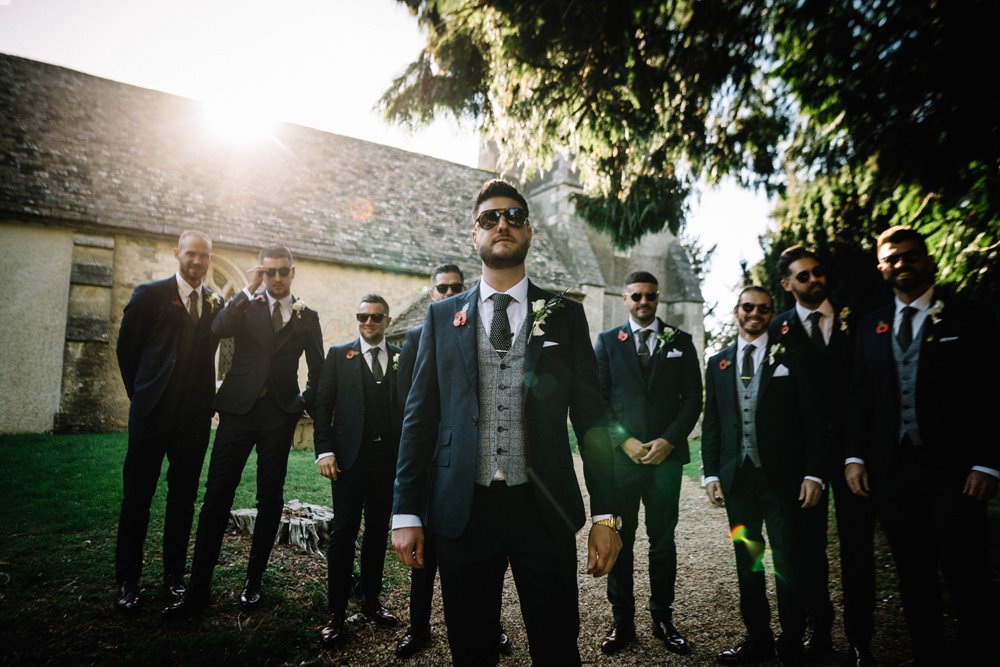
440	440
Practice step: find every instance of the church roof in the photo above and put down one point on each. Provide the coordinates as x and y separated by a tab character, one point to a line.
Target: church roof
95	154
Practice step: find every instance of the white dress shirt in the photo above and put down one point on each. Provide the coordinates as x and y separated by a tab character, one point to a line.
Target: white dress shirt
651	341
286	304
383	355
825	322
184	290
517	309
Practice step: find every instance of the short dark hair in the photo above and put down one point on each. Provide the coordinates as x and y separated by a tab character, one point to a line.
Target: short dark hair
375	298
498	187
447	268
276	252
754	288
791	255
898	234
640	277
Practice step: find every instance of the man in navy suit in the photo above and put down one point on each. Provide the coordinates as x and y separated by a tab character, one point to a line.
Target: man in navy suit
823	338
485	431
358	417
166	353
763	459
259	404
922	443
650	376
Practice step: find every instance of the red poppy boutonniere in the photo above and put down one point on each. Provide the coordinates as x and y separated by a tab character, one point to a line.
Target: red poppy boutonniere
460	316
784	328
881	328
174	301
350	354
724	364
622	336
260	297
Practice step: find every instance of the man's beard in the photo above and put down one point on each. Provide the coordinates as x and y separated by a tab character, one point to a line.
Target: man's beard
813	298
494	261
915	279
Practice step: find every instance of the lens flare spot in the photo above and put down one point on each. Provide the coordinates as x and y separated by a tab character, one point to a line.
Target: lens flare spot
361	209
738	533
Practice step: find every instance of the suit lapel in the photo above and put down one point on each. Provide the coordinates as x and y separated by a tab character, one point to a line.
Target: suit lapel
467	333
627	351
260	321
659	354
727	381
534	349
281	337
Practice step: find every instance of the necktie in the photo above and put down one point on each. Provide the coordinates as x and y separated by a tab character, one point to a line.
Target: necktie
905	334
276	322
747	374
500	328
193	306
376	366
643	350
815	333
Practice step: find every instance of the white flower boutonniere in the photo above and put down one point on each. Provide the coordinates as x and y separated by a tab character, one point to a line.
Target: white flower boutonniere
935	311
776	350
845	312
213	301
298	307
540	311
395	363
665	338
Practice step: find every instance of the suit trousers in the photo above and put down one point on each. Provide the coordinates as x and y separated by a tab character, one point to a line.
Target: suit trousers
808	529
856	531
658	488
931	525
752	503
183	440
365	489
270	429
505	529
422	585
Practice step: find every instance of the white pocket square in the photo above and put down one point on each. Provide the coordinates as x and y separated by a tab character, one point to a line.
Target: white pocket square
673	354
549	343
781	371
948	339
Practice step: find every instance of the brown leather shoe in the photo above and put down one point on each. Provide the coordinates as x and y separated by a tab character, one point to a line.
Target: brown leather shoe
621	635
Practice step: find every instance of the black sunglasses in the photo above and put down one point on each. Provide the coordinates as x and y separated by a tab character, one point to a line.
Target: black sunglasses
762	308
908	257
376	317
650	296
817	272
515	217
283	272
454	287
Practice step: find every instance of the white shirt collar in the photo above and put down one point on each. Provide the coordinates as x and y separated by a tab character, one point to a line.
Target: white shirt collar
636	327
518	292
921	303
381	345
184	289
760	343
286	302
826	308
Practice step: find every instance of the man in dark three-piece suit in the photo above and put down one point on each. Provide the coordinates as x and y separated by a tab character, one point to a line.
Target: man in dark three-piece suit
922	443
497	371
259	404
166	353
763	458
650	376
357	421
823	337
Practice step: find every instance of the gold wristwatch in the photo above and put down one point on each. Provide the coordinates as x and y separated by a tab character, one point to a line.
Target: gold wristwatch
613	522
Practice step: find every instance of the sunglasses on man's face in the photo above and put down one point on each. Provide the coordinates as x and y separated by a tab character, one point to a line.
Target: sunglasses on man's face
817	272
454	287
650	296
283	272
375	317
515	217
762	308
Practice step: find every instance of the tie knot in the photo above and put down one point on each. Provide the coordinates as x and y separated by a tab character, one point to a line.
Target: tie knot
501	300
908	312
644	335
277	307
375	351
815	317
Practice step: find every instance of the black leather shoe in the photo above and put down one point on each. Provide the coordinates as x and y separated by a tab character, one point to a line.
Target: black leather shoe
672	639
506	648
745	653
129	598
374	610
859	655
414	640
333	634
250	596
819	646
174	587
621	635
185	606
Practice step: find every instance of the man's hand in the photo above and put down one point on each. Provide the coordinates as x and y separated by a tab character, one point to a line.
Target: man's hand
714	492
328	467
810	493
634	449
857	479
603	546
255	277
409	546
980	485
659	450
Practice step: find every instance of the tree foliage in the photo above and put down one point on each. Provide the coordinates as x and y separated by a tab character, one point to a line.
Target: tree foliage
857	112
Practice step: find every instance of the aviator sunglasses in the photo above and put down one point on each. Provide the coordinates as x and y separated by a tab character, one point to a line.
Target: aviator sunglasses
375	317
515	217
454	287
817	272
762	308
283	272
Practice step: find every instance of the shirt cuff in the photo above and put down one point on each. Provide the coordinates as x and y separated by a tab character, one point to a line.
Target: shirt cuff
406	521
247	292
817	480
708	480
323	456
600	517
988	471
853	459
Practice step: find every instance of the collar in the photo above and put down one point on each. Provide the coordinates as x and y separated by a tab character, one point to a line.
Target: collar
921	303
184	289
826	308
381	345
636	327
518	292
760	342
286	302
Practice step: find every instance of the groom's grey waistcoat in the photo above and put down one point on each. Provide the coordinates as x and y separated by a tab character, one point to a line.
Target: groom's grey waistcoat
501	410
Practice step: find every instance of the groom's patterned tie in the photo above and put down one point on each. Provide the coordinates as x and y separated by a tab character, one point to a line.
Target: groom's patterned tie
905	334
500	328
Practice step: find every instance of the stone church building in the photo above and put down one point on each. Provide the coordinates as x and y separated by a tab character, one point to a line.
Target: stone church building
98	178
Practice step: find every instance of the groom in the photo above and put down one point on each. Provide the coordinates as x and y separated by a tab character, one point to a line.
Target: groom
497	370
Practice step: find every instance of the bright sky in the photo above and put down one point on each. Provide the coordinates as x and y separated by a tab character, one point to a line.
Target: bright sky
321	63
